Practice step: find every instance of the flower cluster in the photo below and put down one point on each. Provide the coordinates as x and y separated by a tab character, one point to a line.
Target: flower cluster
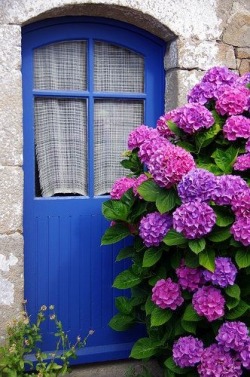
194	219
233	101
227	186
139	135
242	162
153	228
209	302
169	164
167	294
142	178
224	274
237	126
187	351
216	362
233	336
120	186
197	184
189	278
151	146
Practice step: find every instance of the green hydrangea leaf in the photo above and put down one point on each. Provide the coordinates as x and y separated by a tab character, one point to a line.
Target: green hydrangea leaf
126	279
242	258
174	238
124	305
149	190
151	257
219	235
189	326
207	259
170	364
223	217
121	322
233	291
124	253
160	316
238	311
225	159
203	139
190	314
197	245
115	210
144	348
115	234
166	200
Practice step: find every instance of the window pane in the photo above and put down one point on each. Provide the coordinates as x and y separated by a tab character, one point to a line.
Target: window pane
61	145
113	121
60	66
117	69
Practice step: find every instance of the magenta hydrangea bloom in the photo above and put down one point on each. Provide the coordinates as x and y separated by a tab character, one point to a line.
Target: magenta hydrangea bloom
209	302
247	146
245	355
241	230
153	228
162	124
227	186
194	219
193	117
120	186
189	278
187	351
241	203
242	162
232	336
149	147
169	164
197	184
218	76
138	181
167	294
233	101
237	126
201	93
215	362
140	134
224	274
243	80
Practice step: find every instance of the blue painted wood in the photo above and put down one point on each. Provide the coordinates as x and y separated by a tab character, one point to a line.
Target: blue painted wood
64	263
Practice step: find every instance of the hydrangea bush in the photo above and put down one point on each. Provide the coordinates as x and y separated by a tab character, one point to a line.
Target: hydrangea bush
184	207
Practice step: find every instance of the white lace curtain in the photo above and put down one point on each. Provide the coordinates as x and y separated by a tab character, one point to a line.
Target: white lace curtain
61	123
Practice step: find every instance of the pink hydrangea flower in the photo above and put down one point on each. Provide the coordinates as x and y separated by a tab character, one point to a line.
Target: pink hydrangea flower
224	274
187	351
140	134
162	124
241	203
120	186
209	302
242	162
237	126
167	294
245	355
138	181
151	146
215	362
153	228
233	101
169	164
233	336
193	117
189	278
241	230
194	219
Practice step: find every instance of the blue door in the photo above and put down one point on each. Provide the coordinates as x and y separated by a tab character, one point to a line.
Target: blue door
86	84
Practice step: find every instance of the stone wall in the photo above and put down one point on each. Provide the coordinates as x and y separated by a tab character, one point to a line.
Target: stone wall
199	34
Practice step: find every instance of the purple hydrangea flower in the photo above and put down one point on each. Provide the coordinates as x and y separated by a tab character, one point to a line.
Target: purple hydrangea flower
215	362
197	184
202	93
120	186
243	80
224	274
167	294
241	203
245	355
232	336
237	126
194	219
242	162
169	164
189	278
140	134
162	124
187	351
193	117
227	186
233	101
149	147
241	230
218	76
153	228
247	146
209	302
138	181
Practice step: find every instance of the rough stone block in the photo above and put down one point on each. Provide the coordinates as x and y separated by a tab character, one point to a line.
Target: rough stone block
10	47
11	278
244	66
11	134
11	199
243	52
178	83
190	54
237	32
